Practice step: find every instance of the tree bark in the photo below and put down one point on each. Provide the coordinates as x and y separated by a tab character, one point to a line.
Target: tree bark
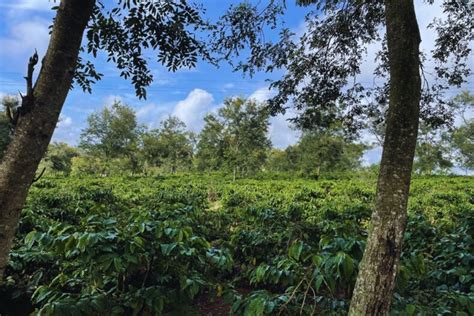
39	115
376	279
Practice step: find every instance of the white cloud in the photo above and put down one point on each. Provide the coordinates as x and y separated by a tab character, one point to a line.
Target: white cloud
111	99
66	131
64	121
193	108
24	38
281	133
262	94
152	114
372	156
42	5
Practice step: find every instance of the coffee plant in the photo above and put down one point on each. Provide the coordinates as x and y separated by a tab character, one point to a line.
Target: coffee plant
183	245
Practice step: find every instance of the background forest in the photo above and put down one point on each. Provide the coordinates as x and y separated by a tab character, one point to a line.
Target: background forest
234	140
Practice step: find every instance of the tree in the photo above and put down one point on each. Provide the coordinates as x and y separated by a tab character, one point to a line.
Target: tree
123	31
317	153
322	152
59	157
245	135
464	101
170	146
278	161
321	82
462	142
113	133
432	153
237	137
211	146
461	138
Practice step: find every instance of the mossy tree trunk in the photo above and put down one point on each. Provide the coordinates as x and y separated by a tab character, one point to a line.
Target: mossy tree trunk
376	280
38	116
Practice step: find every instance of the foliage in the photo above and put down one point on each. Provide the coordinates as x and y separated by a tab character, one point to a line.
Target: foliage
124	30
317	153
113	133
463	144
170	146
120	245
237	137
10	104
322	66
432	153
59	157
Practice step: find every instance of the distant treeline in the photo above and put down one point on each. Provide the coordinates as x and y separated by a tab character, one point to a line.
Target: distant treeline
234	140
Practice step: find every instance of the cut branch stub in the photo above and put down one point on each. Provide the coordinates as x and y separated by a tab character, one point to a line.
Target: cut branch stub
29	77
27	101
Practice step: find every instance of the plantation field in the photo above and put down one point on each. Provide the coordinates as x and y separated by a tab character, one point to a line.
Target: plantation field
192	245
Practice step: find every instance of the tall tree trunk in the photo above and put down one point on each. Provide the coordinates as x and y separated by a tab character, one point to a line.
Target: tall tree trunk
39	115
376	280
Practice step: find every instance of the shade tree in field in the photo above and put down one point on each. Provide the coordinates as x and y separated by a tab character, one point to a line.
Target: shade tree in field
59	157
321	69
462	144
123	30
235	139
440	149
112	133
211	146
432	153
462	137
170	146
317	153
323	153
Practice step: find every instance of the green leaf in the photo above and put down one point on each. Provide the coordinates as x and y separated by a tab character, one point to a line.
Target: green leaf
166	249
410	309
295	250
255	307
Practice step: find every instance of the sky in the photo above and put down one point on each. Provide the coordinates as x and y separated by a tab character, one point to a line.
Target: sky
188	93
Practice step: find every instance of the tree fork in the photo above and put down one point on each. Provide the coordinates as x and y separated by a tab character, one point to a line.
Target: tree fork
376	279
36	122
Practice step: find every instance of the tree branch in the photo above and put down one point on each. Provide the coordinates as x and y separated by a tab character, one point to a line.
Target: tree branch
39	176
29	77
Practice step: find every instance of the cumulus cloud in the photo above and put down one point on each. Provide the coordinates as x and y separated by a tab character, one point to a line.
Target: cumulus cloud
262	94
152	114
64	121
193	108
41	5
111	99
66	131
281	132
23	38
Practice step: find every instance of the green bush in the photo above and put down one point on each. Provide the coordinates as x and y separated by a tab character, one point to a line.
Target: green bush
149	246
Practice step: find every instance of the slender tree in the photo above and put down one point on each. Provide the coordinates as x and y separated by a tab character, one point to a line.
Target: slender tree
112	132
123	30
321	81
236	138
59	157
170	146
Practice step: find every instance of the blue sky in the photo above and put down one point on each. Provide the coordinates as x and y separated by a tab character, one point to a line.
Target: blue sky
188	93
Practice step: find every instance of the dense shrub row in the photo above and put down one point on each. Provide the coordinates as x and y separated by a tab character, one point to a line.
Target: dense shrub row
149	246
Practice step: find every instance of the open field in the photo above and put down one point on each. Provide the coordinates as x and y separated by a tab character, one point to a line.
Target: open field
201	245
